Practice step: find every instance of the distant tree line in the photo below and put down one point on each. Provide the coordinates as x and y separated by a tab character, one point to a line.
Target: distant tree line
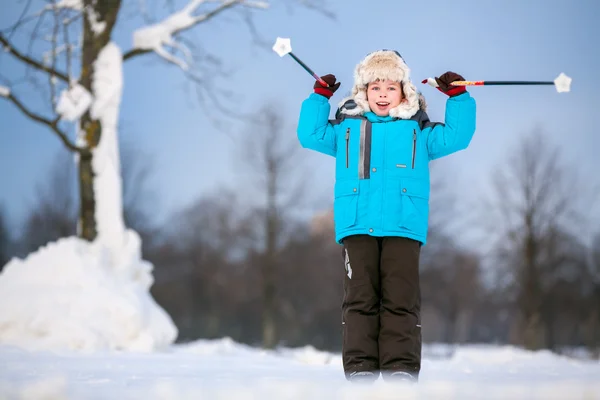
239	263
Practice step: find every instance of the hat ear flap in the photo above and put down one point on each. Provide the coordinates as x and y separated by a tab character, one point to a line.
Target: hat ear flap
410	105
361	99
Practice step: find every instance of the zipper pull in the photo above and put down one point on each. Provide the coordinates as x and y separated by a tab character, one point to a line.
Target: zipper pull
347	146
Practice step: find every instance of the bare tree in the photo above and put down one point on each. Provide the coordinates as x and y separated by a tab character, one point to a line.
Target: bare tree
533	205
70	59
270	153
53	212
450	276
451	285
593	319
199	279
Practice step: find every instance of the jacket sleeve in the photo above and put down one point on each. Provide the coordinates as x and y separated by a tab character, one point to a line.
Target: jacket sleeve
457	130
314	130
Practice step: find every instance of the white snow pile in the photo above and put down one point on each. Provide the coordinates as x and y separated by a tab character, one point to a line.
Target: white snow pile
77	295
73	102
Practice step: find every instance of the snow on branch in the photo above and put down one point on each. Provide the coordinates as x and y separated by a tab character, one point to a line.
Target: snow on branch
97	26
49	55
76	5
4	91
73	103
159	36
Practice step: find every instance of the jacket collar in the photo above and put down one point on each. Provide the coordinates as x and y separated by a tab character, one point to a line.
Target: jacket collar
372	117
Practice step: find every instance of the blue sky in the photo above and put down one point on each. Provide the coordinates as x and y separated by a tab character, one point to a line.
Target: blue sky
493	40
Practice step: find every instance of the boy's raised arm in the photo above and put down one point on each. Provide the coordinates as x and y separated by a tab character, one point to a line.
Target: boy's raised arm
314	130
459	124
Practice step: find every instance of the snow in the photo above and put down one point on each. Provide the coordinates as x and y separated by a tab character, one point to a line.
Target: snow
223	369
155	37
73	102
70	4
68	296
4	91
97	27
49	55
77	295
103	103
77	5
107	88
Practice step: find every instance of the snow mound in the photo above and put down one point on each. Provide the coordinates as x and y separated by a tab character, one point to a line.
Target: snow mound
312	356
489	354
227	347
76	295
223	346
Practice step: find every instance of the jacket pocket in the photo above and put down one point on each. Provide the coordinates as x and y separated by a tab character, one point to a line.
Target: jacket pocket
345	205
414	216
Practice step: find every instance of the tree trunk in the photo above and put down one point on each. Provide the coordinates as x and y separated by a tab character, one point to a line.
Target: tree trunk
531	291
90	130
450	325
268	265
87	220
271	222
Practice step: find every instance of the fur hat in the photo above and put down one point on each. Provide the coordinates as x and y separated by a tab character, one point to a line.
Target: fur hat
383	65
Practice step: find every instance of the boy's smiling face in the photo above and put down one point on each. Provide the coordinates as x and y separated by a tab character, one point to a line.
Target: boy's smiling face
384	96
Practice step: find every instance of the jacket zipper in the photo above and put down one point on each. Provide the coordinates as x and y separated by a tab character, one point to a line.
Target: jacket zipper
347	145
414	154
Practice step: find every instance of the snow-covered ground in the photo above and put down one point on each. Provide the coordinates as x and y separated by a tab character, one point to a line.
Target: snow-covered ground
222	369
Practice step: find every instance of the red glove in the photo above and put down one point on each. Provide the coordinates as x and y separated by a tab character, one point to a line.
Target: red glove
327	91
446	79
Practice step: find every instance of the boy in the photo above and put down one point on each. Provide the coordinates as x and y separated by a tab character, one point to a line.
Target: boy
383	141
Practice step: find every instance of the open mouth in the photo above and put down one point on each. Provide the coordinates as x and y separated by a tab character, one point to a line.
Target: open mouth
382	103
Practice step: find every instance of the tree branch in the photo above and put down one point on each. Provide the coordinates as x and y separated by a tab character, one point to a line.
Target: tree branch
175	23
30	61
20	20
52	124
51	81
135	52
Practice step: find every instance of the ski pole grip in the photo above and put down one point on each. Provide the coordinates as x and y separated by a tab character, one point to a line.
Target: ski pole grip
321	81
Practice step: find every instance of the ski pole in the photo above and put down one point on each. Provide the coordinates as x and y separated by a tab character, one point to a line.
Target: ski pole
283	46
562	83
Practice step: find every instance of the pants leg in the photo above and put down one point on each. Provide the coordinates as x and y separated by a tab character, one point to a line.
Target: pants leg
360	307
400	318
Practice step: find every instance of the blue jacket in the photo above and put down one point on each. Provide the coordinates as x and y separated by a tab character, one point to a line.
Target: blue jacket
382	163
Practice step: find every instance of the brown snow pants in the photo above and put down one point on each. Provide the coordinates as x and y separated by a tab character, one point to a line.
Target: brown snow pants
381	307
